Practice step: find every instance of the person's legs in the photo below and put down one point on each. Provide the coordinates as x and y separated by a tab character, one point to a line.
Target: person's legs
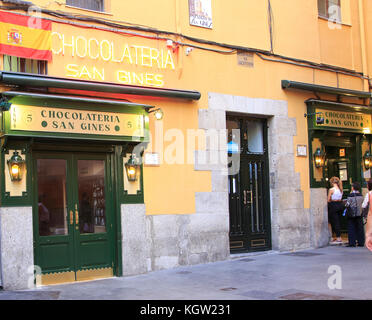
330	222
337	223
334	209
359	227
351	231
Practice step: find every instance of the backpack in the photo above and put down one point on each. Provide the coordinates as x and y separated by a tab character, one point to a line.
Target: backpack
354	205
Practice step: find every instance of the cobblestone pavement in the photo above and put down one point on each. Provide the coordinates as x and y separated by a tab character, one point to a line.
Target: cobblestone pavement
331	273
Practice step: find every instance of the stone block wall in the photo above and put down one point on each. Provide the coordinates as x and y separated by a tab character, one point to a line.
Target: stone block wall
290	221
166	241
153	242
319	217
16	247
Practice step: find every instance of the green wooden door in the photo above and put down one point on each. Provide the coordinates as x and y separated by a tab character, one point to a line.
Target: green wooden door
73	216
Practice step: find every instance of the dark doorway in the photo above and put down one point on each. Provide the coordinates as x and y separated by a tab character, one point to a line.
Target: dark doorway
249	194
341	155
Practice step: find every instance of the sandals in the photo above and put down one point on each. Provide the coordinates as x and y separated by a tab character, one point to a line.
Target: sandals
336	242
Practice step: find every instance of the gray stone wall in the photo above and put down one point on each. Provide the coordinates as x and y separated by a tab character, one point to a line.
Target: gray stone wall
135	244
16	247
289	219
155	242
319	217
166	241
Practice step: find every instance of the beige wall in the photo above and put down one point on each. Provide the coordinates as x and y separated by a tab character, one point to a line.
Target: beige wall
297	33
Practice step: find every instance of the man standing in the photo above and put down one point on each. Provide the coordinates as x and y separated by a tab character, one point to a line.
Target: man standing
354	216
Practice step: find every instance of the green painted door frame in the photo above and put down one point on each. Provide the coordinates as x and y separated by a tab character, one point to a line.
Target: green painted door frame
76	251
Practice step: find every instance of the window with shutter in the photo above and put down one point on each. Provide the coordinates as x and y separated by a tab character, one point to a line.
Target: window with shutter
17	64
96	5
330	9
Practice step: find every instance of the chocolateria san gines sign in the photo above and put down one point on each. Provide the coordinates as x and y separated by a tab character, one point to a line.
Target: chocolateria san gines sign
346	120
45	119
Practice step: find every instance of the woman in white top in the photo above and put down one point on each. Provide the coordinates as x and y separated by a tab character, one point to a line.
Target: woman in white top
335	208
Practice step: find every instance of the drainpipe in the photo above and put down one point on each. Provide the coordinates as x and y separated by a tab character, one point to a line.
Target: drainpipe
363	45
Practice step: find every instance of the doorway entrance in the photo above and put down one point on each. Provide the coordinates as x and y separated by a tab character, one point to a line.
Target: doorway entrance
73	216
341	162
249	193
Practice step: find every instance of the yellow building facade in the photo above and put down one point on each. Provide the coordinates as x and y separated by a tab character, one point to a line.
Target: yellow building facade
229	166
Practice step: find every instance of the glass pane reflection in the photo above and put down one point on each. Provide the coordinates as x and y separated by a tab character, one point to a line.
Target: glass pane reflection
255	137
92	210
52	199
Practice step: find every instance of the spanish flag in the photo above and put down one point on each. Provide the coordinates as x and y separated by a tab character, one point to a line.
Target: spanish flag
25	36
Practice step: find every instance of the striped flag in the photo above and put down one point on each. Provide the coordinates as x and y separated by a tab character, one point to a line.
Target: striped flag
25	36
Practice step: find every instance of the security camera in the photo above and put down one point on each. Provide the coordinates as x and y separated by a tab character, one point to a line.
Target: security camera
169	43
188	50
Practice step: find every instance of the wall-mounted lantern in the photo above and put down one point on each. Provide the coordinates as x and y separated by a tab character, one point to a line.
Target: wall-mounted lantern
367	160
16	166
319	158
132	167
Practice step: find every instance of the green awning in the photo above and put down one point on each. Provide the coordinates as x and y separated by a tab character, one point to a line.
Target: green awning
34	80
287	84
66	98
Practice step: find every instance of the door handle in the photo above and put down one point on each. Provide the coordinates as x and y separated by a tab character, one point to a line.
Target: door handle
71	217
251	193
245	196
77	217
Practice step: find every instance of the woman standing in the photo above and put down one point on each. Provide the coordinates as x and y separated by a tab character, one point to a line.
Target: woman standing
335	208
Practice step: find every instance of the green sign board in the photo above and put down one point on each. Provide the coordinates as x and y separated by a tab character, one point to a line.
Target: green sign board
30	120
353	121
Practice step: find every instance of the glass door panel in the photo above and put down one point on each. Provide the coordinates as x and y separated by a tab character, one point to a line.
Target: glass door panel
94	245
53	223
91	190
52	198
